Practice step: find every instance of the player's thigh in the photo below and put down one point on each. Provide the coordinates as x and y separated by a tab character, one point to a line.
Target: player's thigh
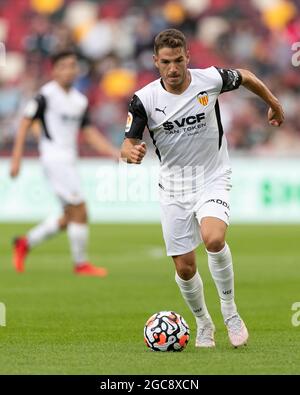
213	233
213	216
180	228
65	182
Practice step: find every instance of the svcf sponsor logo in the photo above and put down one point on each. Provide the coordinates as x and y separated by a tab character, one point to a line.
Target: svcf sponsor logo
180	123
203	98
227	292
70	118
218	201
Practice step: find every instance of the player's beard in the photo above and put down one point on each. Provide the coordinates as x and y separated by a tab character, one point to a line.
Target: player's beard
179	81
68	84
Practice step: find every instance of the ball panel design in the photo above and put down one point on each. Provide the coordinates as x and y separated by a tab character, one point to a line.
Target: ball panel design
166	331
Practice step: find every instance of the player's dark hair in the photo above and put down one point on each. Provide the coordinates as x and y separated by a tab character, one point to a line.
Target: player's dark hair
169	38
63	54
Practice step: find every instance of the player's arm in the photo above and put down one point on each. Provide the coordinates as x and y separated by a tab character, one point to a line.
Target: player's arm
255	85
133	149
19	146
33	111
99	142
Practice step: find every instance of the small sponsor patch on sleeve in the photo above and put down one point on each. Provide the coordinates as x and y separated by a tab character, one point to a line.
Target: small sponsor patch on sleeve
129	122
31	109
232	79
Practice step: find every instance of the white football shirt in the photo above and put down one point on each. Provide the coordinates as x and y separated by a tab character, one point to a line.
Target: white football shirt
186	129
62	114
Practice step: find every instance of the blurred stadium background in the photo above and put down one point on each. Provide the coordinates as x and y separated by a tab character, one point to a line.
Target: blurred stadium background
114	40
60	324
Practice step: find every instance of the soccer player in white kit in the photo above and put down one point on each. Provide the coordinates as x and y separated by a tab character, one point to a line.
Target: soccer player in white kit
182	114
61	111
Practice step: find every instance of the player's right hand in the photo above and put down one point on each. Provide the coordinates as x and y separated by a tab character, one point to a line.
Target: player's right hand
137	153
275	115
14	169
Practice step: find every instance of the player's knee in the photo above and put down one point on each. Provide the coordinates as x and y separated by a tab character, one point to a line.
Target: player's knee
214	243
77	213
186	273
185	269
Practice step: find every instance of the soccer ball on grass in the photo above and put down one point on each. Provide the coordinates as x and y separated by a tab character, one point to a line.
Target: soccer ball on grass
166	331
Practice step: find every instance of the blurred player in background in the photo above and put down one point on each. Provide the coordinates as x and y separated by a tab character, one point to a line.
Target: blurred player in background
62	111
182	114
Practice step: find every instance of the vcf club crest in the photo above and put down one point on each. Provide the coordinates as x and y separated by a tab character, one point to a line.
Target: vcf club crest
203	98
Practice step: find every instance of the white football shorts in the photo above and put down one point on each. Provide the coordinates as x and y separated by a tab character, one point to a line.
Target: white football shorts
181	217
64	180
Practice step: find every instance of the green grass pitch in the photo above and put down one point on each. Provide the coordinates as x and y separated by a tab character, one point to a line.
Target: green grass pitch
58	323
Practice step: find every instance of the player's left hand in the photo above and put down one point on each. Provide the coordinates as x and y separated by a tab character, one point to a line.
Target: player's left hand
276	115
15	169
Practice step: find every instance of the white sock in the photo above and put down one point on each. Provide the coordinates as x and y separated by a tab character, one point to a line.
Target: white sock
78	237
192	292
221	268
43	231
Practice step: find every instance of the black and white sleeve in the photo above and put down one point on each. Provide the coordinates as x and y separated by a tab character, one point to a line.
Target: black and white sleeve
35	108
231	78
136	120
86	119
